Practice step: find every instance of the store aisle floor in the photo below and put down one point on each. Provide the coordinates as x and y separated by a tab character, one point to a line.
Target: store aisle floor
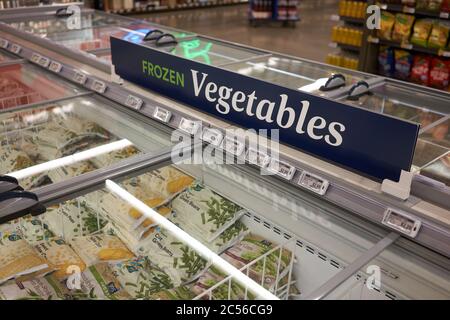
308	40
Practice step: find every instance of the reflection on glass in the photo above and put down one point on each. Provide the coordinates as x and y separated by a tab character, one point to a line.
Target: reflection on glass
438	134
24	84
5	57
439	169
427	152
294	74
66	139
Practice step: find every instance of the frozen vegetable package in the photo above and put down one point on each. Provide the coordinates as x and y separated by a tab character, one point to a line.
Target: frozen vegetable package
100	248
386	25
59	256
34	289
140	279
402	28
107	159
179	293
29	228
201	209
421	32
18	258
253	247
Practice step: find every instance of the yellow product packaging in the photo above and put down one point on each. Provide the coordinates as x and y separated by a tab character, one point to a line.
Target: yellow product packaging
386	25
402	28
18	258
421	32
100	248
439	35
60	257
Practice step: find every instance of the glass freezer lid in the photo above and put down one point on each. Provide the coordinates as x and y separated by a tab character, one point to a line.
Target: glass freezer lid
403	103
290	73
438	134
60	140
210	52
439	169
5	56
47	24
22	84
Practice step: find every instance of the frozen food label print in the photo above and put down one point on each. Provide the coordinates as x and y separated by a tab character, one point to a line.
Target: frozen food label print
373	144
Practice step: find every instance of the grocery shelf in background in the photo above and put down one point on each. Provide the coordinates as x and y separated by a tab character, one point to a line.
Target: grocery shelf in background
285	11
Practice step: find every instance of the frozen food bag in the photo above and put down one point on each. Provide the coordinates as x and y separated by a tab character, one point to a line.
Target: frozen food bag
211	278
253	247
402	28
386	62
403	64
12	160
29	228
73	218
18	258
421	32
107	159
100	248
34	289
179	293
182	263
140	279
59	256
70	171
201	209
386	25
439	35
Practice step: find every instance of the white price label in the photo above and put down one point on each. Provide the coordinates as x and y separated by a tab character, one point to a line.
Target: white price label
445	54
258	158
282	169
188	126
402	222
313	183
373	39
4	43
79	77
444	15
98	86
134	102
407	9
44	62
55	67
333	45
15	48
35	58
232	145
406	46
212	136
162	114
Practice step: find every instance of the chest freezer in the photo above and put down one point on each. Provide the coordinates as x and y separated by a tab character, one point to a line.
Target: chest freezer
56	141
4	57
287	242
24	84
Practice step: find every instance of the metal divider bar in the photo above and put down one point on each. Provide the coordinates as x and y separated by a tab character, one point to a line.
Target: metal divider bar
353	268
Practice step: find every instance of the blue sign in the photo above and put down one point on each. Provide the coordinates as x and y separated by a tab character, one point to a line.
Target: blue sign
376	145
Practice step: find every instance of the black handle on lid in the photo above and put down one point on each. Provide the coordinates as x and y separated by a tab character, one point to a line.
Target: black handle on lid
34	207
153	35
357	90
9	179
337	80
62	12
8	183
166	39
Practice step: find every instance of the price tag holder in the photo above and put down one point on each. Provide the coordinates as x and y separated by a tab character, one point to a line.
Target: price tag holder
134	102
281	169
79	77
257	158
35	58
410	10
402	222
444	15
162	114
212	136
373	39
98	86
444	53
4	43
333	45
313	183
55	67
406	46
188	126
232	145
15	48
44	62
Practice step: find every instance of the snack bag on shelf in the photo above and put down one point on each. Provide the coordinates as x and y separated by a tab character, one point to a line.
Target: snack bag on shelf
434	5
140	279
253	247
439	35
386	25
445	6
420	70
422	29
386	61
201	209
402	28
439	73
60	257
100	248
409	3
18	258
403	62
422	4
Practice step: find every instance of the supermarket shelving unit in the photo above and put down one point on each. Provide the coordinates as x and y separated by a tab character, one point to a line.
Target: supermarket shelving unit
284	11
